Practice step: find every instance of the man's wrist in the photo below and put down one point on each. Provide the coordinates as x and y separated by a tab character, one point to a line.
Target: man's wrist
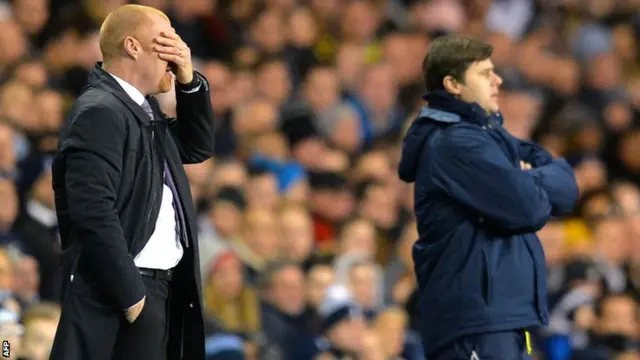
194	83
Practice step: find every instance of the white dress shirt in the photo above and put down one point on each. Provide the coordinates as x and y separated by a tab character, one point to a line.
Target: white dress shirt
164	250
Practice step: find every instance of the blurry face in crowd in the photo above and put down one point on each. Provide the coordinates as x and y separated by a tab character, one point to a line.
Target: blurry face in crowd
358	237
590	174
38	338
612	240
262	191
32	14
303	30
390	326
9	208
310	152
269	32
604	72
326	9
296	234
520	111
229	174
346	134
372	346
365	285
7	142
261	233
618	116
228	277
298	193
381	206
552	239
335	161
319	279
154	70
32	73
359	21
628	196
400	53
335	205
6	272
226	218
349	63
13	40
379	89
619	316
322	89
255	117
242	87
51	105
272	145
287	291
220	79
16	103
629	151
348	335
374	165
480	85
26	278
274	82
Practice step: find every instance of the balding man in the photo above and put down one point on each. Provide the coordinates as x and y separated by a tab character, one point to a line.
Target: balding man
127	221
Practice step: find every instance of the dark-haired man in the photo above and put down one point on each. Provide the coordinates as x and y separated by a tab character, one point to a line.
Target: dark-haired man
480	196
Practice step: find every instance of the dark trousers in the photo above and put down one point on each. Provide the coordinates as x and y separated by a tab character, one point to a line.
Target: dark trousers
92	330
147	337
507	345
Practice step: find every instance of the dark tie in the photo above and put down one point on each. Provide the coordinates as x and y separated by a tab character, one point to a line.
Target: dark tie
168	180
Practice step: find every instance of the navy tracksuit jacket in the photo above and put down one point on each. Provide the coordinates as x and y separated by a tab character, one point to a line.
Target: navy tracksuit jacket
480	266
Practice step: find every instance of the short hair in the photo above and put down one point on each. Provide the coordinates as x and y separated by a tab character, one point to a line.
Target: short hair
271	270
452	55
122	22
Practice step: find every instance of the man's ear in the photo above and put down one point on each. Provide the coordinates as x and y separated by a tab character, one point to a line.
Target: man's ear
132	47
451	85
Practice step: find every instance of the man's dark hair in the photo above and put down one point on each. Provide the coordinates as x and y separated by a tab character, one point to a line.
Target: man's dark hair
266	278
452	55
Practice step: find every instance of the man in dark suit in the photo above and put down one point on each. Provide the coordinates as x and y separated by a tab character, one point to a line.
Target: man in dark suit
127	221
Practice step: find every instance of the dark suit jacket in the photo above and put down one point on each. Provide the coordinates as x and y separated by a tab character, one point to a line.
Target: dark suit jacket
107	178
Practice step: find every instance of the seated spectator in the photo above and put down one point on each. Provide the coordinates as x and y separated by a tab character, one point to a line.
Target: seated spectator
284	319
229	299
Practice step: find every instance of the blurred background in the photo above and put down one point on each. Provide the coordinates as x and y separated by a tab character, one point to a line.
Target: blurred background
312	98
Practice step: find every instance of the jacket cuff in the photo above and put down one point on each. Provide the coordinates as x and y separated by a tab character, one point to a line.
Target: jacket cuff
193	86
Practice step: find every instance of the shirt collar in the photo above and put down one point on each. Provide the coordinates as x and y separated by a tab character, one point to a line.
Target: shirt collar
133	93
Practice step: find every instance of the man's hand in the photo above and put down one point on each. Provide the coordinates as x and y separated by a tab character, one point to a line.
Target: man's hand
133	312
525	165
171	48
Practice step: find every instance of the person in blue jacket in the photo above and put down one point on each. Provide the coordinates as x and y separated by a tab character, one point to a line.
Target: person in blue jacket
480	196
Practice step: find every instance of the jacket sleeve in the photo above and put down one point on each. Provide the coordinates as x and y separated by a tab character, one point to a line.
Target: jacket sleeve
93	153
533	154
193	127
470	167
559	181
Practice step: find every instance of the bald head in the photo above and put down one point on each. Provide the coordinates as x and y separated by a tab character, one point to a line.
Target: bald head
126	21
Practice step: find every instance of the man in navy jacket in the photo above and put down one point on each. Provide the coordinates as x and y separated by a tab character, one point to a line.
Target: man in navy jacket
480	196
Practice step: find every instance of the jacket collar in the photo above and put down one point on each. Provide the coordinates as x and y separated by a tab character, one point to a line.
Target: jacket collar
101	79
446	108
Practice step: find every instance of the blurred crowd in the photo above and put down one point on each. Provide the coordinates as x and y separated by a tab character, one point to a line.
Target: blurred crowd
305	230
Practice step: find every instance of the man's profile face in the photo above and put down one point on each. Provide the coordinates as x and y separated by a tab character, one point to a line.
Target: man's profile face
481	85
157	71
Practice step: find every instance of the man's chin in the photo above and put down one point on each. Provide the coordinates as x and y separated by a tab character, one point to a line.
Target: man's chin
166	83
